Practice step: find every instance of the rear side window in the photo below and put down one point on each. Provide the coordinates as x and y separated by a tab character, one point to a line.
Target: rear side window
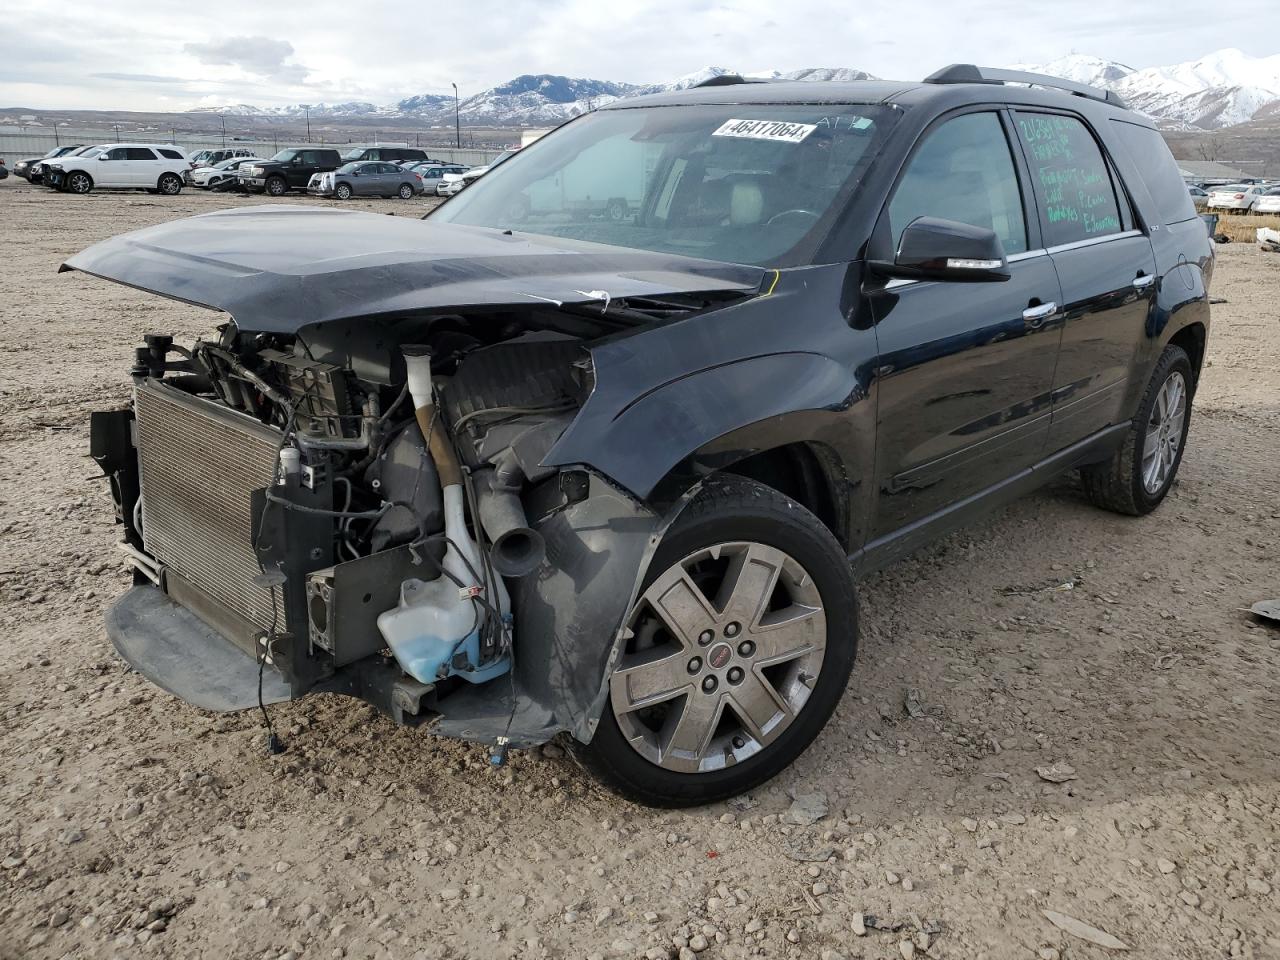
1156	166
1073	182
138	153
170	154
964	171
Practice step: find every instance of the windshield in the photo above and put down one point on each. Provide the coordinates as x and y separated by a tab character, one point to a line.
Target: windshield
736	183
88	152
284	156
225	164
350	167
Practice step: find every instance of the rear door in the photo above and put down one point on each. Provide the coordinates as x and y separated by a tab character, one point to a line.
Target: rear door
966	369
142	166
1105	265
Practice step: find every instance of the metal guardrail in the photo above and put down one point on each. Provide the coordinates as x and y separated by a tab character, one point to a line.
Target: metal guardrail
16	146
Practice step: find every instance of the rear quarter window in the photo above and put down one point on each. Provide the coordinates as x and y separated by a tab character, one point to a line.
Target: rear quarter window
170	154
1158	170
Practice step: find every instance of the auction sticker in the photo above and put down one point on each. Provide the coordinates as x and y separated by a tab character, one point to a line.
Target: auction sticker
777	130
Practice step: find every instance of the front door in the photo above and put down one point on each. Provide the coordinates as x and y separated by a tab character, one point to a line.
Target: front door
1105	265
966	369
111	168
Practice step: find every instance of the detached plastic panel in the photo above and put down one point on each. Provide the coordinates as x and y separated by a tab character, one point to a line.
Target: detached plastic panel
179	652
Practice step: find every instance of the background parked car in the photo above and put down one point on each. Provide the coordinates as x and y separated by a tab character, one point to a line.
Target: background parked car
475	173
449	184
35	173
24	168
222	172
136	166
433	173
290	169
392	154
1237	196
1269	202
370	178
211	158
1199	196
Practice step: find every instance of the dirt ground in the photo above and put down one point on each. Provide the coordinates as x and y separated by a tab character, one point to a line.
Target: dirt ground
1052	638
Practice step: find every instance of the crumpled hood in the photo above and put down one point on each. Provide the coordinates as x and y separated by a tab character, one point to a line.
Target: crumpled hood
277	268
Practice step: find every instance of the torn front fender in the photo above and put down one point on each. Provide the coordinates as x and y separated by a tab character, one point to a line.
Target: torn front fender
569	619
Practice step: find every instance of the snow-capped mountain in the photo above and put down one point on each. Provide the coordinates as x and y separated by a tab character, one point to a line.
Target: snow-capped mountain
1222	89
1219	90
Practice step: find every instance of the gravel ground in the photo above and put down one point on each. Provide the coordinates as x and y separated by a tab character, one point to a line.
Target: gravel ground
1050	643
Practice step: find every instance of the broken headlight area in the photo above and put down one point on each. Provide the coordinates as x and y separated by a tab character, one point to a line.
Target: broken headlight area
364	508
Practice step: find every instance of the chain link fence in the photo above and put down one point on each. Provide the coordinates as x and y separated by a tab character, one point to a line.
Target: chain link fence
16	146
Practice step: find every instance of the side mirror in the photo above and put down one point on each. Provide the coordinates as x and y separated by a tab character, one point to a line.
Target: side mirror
935	249
103	156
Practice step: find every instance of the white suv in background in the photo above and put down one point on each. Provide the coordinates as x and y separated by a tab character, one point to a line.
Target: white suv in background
156	168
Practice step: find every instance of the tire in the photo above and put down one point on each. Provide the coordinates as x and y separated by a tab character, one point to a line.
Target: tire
342	191
277	186
169	184
406	192
78	182
616	210
739	525
1126	483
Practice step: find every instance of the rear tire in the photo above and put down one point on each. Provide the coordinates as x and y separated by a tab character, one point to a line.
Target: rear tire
406	192
746	547
169	184
1138	476
277	186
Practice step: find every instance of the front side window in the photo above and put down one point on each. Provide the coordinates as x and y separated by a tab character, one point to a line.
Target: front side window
741	183
1077	196
964	172
118	153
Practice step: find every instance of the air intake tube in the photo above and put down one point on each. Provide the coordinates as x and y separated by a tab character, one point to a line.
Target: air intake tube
518	550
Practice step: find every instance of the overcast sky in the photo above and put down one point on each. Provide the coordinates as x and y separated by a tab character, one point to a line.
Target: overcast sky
152	55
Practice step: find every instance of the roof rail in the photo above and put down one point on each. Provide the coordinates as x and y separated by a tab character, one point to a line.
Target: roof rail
729	80
968	73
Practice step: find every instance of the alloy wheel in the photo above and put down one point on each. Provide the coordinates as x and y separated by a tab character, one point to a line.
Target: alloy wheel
723	652
1164	433
79	183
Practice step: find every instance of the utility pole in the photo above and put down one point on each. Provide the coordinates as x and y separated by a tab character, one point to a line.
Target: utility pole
457	117
117	129
56	141
223	121
308	109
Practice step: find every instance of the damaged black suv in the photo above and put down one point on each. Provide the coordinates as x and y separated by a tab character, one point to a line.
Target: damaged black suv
536	468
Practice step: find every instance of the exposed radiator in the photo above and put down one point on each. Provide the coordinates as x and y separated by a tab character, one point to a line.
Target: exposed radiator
199	463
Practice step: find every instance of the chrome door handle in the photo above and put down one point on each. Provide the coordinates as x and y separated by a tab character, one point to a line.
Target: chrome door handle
1142	282
1036	317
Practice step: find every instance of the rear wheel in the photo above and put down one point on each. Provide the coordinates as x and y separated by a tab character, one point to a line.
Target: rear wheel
78	182
277	186
342	191
1138	475
170	184
740	647
406	192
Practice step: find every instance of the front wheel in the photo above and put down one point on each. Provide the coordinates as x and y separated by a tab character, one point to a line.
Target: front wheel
739	649
79	182
277	186
170	184
342	191
1138	475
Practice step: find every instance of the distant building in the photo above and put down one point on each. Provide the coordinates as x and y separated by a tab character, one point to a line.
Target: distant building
1202	171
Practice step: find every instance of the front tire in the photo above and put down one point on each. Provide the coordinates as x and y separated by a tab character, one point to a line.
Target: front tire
169	184
277	186
741	645
342	191
78	182
1138	476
